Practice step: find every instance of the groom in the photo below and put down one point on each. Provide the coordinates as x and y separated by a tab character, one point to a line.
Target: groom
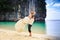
30	23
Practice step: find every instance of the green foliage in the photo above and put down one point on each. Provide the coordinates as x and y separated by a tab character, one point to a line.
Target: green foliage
9	5
41	5
6	6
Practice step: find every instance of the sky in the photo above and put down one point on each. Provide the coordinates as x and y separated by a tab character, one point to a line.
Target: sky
53	9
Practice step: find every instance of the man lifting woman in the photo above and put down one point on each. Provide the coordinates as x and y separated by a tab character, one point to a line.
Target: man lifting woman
19	26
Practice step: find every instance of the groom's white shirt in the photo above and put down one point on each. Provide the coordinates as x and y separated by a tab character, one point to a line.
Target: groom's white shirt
31	21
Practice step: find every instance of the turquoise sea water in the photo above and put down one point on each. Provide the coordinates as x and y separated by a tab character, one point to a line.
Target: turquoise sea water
37	27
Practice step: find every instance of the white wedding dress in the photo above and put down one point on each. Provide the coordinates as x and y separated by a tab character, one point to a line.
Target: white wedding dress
19	26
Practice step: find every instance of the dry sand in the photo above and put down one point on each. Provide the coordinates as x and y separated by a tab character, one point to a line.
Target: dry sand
13	35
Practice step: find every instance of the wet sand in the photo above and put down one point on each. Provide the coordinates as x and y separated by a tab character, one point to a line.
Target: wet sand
13	35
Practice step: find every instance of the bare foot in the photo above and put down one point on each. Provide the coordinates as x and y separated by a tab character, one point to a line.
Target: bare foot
30	34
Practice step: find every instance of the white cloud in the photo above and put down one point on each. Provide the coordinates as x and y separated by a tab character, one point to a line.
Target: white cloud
56	4
52	14
49	3
53	11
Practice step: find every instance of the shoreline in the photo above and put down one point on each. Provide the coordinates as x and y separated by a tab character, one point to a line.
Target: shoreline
13	35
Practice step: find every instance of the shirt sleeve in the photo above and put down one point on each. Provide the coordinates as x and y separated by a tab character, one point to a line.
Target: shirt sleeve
31	21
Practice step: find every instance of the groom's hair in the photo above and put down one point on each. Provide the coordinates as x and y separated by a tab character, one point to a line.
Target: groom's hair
32	12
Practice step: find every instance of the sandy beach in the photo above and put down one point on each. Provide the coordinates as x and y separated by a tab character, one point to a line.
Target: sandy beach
13	35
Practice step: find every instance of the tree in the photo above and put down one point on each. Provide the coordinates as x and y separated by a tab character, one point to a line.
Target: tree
42	8
6	6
